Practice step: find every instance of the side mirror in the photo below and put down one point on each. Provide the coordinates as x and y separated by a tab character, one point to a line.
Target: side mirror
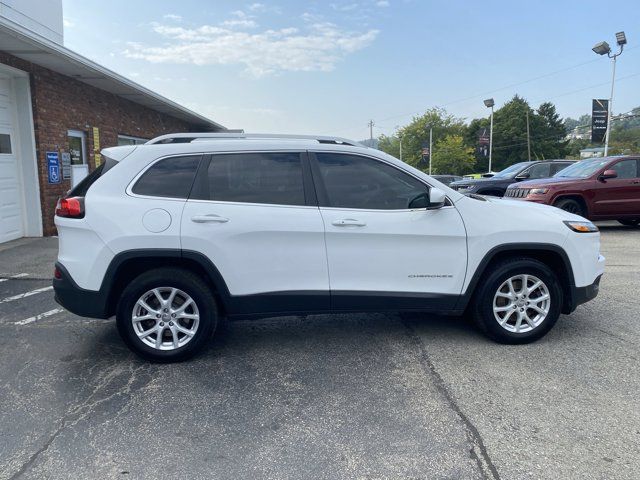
436	198
523	176
608	174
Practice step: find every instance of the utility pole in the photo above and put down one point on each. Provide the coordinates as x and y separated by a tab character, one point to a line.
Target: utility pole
528	138
489	103
430	147
371	124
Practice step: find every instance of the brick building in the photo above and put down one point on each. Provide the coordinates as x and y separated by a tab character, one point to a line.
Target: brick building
57	111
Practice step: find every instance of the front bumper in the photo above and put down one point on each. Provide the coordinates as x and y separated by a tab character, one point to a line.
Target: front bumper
85	303
580	295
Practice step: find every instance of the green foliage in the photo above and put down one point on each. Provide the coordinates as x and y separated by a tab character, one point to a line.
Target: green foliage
452	156
416	135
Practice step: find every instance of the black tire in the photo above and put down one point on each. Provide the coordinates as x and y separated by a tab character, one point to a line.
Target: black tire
570	205
188	283
630	223
482	306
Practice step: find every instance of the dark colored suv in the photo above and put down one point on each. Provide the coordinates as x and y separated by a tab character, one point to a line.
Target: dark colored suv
497	185
598	189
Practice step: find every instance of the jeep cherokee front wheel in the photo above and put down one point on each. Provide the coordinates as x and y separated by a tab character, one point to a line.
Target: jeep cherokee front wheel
518	301
166	314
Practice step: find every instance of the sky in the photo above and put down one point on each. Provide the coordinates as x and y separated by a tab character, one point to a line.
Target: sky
328	68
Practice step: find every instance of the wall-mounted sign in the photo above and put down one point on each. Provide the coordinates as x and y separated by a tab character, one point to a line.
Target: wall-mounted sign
97	158
53	167
66	165
599	120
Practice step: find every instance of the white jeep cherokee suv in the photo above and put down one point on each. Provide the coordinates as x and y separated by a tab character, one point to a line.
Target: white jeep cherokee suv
171	235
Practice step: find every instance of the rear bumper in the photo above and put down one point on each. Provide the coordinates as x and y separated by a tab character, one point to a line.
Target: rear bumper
85	303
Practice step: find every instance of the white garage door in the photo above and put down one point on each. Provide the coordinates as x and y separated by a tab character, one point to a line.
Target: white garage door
11	214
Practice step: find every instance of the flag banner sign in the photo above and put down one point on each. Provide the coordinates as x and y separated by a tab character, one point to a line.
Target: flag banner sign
599	120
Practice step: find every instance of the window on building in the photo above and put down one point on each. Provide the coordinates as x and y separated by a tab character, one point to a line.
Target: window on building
5	143
171	177
129	140
352	181
77	147
273	178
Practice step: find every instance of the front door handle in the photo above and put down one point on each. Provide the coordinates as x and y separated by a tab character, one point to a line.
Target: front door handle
348	222
210	218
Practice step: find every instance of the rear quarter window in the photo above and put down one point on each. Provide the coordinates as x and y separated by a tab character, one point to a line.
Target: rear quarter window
170	177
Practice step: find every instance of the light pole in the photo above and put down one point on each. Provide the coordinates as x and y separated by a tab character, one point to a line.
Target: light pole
430	147
603	48
489	103
400	139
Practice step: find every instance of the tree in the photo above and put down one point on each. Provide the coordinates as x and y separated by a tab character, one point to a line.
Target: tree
415	135
547	132
451	156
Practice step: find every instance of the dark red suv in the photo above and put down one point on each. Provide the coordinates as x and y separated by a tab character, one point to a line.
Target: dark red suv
598	189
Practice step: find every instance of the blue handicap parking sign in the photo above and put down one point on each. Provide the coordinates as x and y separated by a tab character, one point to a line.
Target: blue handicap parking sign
53	167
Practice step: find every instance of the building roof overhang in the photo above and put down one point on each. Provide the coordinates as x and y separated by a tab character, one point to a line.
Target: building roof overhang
26	45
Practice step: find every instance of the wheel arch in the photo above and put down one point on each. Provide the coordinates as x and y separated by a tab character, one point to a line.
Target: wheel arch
129	264
551	255
573	196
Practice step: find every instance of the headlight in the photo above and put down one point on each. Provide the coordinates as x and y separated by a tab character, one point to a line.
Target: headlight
581	227
538	191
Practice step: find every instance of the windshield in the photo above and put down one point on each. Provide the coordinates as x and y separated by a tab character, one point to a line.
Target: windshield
511	171
582	169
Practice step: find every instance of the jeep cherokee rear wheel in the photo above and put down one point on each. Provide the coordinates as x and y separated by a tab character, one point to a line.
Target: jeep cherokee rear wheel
518	301
166	314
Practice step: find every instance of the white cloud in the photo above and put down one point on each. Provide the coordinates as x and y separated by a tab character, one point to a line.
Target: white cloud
240	22
173	16
316	47
68	23
382	3
257	7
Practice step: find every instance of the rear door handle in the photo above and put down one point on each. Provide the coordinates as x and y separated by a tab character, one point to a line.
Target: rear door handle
210	218
348	222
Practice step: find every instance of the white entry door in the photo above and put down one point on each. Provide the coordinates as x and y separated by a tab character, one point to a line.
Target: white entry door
11	208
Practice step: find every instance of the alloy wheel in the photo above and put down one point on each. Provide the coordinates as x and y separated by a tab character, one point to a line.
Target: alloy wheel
521	303
165	318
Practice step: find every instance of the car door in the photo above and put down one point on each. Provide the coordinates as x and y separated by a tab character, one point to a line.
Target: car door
254	217
383	254
620	195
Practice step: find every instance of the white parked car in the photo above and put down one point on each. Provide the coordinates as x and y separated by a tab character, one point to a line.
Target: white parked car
171	235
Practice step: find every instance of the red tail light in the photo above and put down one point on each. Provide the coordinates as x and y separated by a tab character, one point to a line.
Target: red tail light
57	273
70	207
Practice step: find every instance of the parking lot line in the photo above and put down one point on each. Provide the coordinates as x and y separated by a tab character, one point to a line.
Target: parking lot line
26	294
40	316
19	275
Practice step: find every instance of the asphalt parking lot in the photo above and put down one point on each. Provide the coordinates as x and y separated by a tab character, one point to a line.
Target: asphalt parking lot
352	396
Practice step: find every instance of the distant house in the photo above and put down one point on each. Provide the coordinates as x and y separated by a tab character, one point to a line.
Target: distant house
57	110
591	152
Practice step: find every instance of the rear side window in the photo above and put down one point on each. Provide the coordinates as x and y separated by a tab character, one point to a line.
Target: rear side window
540	170
270	177
353	181
82	188
556	167
170	177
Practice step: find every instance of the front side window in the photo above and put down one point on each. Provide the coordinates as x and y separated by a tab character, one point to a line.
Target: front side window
267	177
539	170
353	181
170	177
626	169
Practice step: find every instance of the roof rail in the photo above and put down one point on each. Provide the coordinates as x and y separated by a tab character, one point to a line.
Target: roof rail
202	137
